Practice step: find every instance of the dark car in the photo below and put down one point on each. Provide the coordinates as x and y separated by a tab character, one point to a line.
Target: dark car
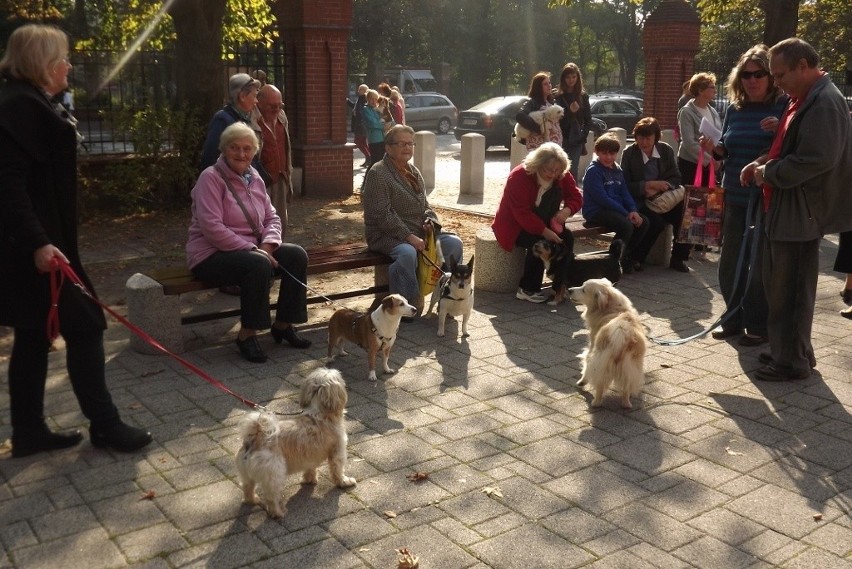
495	120
430	111
616	112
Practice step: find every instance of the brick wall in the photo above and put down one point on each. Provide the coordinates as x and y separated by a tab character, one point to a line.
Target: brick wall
316	34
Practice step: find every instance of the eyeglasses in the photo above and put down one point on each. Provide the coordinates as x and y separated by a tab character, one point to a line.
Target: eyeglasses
403	144
759	74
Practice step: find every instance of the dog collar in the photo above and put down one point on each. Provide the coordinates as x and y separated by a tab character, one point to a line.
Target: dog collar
382	339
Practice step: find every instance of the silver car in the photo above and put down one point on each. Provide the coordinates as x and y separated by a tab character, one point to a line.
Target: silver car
430	111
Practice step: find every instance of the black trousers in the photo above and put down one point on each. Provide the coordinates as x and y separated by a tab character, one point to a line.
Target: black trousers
656	224
86	371
253	273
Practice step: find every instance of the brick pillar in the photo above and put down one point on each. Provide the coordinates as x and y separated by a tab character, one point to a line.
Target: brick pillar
316	36
670	43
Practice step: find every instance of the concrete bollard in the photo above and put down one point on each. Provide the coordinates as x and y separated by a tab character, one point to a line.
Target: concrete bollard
668	136
621	135
424	156
155	313
587	159
472	171
517	153
661	253
495	269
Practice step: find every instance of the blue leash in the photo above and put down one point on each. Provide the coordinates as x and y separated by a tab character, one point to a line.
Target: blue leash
751	231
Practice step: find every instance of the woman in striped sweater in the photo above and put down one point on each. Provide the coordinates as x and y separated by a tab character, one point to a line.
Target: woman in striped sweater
748	129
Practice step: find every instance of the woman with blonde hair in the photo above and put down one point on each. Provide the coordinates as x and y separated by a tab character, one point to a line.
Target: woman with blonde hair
38	222
750	124
702	87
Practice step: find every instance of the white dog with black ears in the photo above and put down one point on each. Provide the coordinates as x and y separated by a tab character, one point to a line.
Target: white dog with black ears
616	351
548	119
273	448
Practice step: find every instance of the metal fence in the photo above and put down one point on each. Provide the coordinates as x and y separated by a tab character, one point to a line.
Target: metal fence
103	91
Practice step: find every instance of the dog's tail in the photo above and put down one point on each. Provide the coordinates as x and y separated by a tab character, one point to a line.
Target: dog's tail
256	428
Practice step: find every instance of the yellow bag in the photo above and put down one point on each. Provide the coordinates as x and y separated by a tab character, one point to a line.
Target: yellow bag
427	274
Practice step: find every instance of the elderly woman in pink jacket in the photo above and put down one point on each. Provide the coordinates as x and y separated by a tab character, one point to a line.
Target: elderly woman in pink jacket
235	239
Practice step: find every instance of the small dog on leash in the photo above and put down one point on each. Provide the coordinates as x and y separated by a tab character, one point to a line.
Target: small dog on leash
274	448
454	295
374	331
566	269
616	351
548	119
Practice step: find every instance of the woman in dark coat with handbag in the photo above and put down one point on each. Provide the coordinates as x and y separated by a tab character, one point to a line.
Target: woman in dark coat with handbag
38	227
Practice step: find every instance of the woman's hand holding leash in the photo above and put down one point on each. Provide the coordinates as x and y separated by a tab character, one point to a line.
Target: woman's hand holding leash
266	250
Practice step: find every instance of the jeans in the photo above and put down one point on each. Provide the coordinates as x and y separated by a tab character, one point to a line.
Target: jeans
86	372
752	316
253	273
402	273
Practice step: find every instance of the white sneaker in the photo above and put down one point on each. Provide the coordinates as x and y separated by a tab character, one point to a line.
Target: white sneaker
536	297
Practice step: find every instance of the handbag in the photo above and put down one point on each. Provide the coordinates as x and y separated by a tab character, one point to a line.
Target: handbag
667	200
702	211
427	273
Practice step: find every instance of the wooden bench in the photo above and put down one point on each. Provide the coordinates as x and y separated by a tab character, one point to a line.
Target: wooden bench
153	299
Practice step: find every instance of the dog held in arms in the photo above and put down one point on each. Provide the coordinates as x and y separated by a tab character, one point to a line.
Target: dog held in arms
454	295
616	351
566	269
374	331
274	448
548	119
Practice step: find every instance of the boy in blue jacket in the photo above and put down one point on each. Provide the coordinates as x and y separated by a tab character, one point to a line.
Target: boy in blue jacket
607	201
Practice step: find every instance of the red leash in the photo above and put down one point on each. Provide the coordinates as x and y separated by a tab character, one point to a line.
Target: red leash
62	269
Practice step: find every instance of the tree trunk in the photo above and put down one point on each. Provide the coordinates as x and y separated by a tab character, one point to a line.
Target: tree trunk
198	50
782	16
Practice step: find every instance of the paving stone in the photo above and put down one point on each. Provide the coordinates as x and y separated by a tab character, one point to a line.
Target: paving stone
557	456
657	529
359	528
88	549
833	538
595	490
686	501
541	548
394	451
647	454
151	542
434	550
726	526
782	511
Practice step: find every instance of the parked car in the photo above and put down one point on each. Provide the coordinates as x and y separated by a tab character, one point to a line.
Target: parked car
430	111
495	120
616	112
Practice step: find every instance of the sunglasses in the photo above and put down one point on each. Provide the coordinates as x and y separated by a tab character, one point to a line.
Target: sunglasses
759	74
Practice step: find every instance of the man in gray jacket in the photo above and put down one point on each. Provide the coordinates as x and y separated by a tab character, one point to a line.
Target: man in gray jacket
806	185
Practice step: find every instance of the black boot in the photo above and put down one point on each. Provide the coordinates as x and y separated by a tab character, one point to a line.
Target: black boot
42	439
119	436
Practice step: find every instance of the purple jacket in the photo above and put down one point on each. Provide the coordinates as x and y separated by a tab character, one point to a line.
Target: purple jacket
218	223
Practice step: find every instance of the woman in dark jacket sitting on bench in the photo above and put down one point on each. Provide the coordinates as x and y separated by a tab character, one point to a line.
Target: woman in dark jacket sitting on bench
235	239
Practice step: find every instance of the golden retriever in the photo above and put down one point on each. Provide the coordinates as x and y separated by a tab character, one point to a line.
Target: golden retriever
616	351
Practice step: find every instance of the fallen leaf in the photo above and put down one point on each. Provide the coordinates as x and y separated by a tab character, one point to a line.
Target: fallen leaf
149	495
389	514
733	452
134	406
666	365
418	476
817	517
493	491
406	559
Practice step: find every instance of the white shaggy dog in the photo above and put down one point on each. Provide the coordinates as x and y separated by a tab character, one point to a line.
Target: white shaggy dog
616	352
548	119
274	448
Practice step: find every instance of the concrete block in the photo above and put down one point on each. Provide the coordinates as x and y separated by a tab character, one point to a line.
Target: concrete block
424	156
621	135
517	153
296	178
495	269
472	171
661	253
155	313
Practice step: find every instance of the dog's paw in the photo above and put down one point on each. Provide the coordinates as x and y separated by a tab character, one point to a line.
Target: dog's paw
440	333
581	382
347	482
389	370
372	376
465	334
309	477
597	402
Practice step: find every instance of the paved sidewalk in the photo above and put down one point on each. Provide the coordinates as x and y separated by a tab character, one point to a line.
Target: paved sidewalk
710	469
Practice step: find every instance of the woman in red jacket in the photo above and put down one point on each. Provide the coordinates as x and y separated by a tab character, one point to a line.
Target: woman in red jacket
540	195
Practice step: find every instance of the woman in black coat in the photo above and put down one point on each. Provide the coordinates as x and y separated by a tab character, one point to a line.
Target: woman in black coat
38	227
577	121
